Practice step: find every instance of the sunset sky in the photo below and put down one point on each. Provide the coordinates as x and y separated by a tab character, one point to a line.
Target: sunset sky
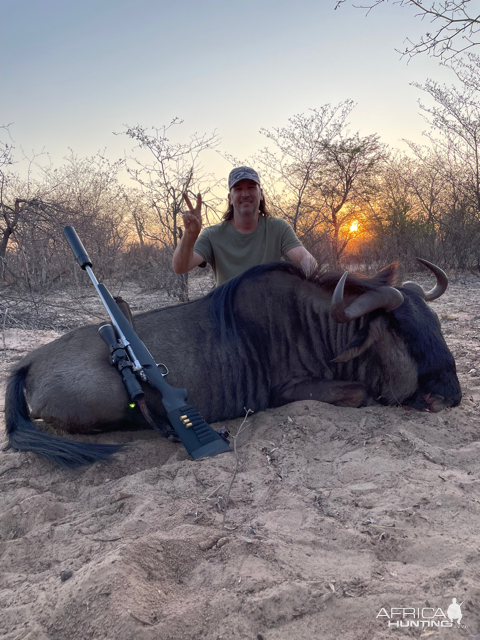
75	72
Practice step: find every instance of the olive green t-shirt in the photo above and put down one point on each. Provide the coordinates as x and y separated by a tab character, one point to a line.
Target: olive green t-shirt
230	252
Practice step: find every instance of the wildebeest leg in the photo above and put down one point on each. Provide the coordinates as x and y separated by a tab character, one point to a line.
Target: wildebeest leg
342	394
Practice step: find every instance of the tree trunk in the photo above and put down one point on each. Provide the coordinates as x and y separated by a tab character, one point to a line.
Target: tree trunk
6	235
3	244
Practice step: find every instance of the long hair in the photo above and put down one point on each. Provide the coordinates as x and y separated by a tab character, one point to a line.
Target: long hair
262	209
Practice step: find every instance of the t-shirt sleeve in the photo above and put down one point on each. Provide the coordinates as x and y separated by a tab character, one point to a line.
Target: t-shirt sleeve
203	247
289	239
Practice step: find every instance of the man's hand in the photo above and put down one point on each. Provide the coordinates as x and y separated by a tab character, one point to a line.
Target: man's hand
184	257
303	258
192	219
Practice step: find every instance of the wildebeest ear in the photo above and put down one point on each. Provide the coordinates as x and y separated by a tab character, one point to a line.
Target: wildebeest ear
360	342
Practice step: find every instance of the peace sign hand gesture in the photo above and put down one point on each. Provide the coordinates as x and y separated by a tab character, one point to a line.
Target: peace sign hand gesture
192	219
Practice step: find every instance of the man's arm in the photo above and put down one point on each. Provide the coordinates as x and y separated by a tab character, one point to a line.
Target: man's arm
303	258
184	258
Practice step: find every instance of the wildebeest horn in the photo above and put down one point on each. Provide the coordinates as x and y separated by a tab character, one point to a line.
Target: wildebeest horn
386	298
438	290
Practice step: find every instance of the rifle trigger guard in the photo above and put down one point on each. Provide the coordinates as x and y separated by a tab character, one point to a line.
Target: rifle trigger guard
160	364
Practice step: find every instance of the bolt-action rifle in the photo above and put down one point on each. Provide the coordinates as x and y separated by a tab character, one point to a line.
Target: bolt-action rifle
135	363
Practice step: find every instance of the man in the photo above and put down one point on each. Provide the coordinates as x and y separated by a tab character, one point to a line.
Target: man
247	236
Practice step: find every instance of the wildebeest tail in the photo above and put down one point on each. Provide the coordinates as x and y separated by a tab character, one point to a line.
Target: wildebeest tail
24	436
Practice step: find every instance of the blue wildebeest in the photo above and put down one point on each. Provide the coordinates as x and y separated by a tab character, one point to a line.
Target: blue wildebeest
266	338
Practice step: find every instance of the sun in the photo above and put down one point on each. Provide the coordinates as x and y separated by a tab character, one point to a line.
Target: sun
354	226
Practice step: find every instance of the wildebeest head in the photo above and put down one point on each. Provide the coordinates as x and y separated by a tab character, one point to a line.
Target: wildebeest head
409	318
418	325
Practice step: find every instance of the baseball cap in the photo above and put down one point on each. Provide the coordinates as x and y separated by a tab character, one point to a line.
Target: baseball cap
242	173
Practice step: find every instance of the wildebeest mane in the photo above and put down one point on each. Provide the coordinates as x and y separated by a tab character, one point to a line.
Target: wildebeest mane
357	283
222	298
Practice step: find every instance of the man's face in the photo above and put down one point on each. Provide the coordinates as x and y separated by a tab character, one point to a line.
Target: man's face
245	196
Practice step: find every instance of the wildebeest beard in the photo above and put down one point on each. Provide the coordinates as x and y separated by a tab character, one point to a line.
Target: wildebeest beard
419	327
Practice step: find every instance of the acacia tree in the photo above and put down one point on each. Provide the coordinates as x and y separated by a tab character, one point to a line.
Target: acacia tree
455	26
410	196
455	156
295	161
318	176
86	193
455	124
346	185
174	170
431	201
83	192
18	209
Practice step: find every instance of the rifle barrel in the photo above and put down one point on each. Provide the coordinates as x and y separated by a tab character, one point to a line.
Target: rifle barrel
77	247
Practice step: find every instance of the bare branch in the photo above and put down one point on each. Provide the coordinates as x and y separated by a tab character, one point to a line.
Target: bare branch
456	26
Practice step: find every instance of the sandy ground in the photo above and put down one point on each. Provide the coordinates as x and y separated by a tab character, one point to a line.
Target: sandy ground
335	517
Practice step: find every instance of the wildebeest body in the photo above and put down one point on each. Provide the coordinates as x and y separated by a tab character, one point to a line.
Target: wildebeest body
264	339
